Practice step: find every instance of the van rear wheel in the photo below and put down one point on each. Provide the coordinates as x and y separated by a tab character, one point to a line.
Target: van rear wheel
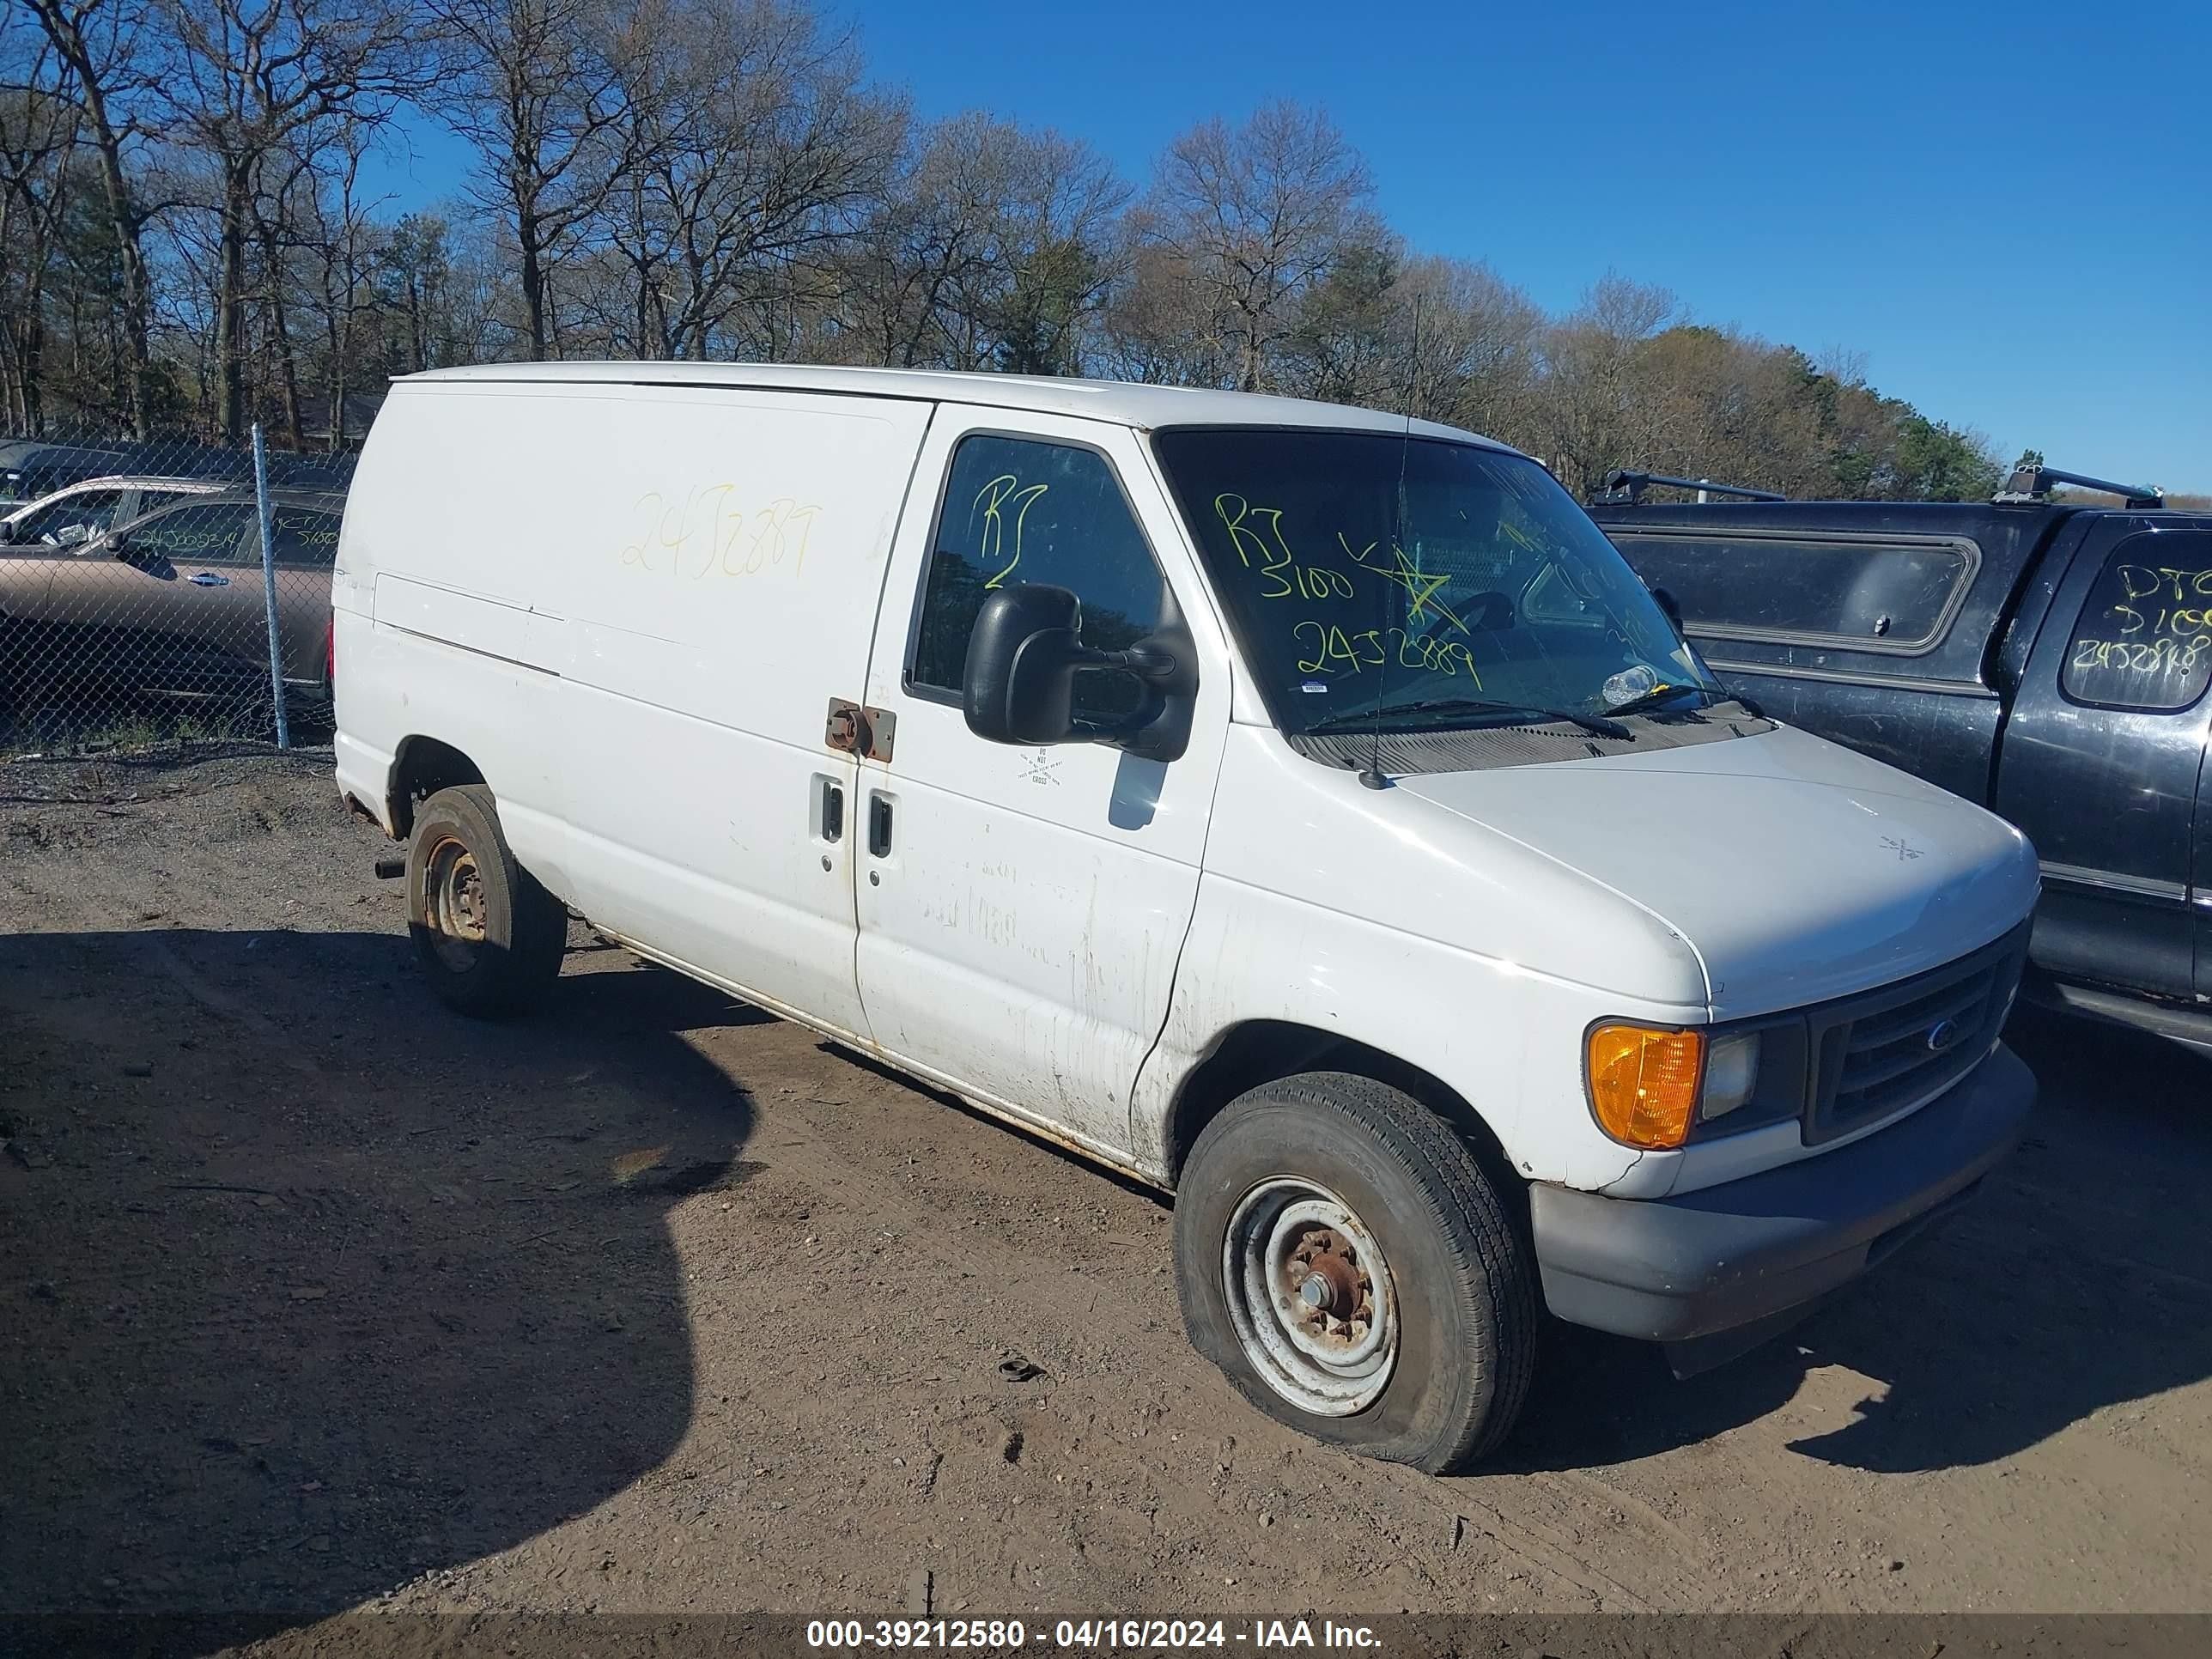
1347	1260
489	936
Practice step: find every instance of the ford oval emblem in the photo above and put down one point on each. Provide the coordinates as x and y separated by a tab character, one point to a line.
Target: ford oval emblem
1942	1036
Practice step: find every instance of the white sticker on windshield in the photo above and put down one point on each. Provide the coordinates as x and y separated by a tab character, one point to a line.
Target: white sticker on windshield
1313	686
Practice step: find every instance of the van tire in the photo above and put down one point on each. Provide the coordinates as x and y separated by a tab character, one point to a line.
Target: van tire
1456	1259
489	936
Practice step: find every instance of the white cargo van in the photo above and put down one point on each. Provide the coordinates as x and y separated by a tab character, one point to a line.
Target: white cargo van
1303	811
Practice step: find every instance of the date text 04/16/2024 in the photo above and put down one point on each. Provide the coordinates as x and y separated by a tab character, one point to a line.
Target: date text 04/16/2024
1001	1635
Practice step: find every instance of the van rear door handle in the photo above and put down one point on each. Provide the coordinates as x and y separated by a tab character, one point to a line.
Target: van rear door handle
833	811
879	825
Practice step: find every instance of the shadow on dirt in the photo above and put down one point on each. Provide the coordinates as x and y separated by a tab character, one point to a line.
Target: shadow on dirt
2076	1281
307	1294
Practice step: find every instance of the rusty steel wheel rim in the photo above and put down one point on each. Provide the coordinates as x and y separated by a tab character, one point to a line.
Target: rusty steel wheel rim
1310	1296
453	899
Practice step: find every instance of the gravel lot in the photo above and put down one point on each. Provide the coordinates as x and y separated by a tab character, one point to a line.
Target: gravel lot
314	1295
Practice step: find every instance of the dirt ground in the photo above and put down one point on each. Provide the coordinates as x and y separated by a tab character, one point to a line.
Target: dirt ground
314	1295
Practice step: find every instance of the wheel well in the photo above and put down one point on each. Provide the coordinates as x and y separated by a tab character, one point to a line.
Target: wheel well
1261	1050
423	768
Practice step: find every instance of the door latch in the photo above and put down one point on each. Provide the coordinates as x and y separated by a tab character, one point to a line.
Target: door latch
853	729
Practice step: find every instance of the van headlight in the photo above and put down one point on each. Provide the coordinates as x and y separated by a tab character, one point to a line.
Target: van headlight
1649	1086
1731	1075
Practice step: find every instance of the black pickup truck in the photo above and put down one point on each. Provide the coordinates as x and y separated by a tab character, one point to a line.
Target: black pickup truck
2045	658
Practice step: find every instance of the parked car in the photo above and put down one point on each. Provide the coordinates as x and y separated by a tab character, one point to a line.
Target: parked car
2046	659
172	602
33	467
1267	799
77	512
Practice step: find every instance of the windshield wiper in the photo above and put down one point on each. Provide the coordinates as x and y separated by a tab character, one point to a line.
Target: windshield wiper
1595	725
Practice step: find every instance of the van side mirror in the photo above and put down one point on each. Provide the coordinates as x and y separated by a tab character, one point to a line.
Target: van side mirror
7	533
1024	654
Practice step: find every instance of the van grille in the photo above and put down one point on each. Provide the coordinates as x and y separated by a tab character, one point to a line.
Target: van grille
1887	1050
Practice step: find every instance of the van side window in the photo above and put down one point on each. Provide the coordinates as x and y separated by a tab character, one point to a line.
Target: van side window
2144	638
1018	510
1894	597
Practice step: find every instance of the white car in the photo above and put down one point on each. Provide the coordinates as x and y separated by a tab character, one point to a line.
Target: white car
79	513
1289	805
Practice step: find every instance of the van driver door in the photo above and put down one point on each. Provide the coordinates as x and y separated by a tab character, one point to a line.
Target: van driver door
1022	909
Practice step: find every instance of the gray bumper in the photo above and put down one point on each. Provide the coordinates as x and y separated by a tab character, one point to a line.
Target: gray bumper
1749	1253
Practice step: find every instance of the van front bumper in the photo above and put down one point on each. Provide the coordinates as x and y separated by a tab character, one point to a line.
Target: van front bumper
1747	1256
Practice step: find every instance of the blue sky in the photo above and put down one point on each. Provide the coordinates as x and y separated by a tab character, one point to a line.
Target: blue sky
2007	210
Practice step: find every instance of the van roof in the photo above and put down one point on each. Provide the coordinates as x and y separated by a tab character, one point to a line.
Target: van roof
1123	402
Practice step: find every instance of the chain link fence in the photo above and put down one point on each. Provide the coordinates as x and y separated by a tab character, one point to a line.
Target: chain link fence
163	590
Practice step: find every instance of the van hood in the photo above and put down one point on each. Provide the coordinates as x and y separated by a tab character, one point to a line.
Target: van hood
1797	870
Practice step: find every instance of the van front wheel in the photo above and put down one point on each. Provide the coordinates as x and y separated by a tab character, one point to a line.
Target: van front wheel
489	936
1346	1260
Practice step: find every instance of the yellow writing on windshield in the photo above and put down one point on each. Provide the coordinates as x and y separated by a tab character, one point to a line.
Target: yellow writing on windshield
1328	649
1421	587
1281	577
1256	534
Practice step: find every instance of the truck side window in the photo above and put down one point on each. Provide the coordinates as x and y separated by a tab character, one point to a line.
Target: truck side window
2144	639
1868	596
1018	510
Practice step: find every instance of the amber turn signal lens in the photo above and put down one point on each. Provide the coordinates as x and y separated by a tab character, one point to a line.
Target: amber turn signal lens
1644	1083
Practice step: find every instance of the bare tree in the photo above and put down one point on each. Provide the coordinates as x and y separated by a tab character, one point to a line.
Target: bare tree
534	85
38	134
932	243
994	247
411	269
282	203
1256	216
750	143
180	212
326	240
1444	339
1061	254
252	79
1597	412
1161	324
101	44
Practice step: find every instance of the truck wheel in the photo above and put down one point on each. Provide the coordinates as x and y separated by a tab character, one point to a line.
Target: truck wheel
489	936
1347	1262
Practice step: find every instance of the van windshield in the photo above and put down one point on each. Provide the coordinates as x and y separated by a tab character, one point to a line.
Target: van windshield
1418	584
